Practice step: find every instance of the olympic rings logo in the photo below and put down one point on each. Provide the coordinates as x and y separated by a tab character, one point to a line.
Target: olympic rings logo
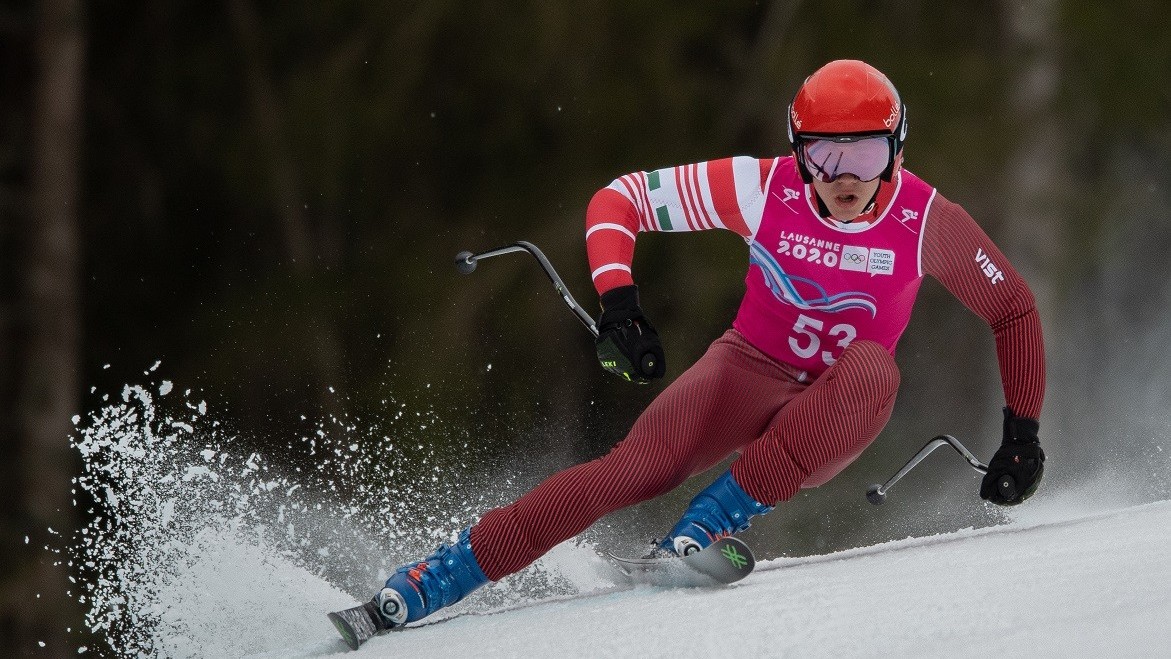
854	257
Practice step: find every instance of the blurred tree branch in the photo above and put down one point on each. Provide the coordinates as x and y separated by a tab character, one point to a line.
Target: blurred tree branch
305	247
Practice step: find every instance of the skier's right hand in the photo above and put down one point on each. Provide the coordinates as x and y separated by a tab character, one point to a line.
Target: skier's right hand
1015	471
628	345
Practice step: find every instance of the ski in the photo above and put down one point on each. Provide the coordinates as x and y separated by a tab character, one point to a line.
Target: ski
725	561
358	624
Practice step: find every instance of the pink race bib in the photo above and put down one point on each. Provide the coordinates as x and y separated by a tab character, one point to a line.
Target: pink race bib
814	286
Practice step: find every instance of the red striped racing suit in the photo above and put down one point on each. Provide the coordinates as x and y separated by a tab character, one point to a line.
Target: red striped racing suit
805	379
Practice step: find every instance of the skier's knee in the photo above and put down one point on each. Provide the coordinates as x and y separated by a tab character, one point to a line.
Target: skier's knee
866	378
872	361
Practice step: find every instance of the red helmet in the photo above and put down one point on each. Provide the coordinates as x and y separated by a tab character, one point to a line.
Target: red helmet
846	100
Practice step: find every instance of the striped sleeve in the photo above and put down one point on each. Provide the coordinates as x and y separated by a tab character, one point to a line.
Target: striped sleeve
958	253
717	194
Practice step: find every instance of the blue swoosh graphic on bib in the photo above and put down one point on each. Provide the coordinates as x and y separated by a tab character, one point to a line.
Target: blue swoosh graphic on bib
784	287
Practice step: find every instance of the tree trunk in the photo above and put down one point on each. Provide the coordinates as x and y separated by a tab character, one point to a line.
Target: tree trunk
1038	165
47	320
1037	177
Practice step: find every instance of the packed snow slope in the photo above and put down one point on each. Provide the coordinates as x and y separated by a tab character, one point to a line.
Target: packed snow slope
1080	586
198	547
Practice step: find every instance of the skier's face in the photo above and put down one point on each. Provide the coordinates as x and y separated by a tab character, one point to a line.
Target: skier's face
846	196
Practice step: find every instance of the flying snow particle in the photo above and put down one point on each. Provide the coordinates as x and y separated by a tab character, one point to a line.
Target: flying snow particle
166	387
197	472
166	513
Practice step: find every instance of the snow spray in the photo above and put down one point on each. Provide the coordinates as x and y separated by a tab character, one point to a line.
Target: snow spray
191	538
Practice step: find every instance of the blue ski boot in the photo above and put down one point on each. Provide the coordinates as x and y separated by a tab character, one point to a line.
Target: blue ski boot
720	510
417	590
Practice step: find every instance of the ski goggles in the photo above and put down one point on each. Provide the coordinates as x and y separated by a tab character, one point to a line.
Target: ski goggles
827	158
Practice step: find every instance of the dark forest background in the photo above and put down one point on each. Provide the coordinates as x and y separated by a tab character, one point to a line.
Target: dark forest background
267	196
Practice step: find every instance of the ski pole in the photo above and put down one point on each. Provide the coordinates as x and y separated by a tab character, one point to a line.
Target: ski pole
877	493
466	262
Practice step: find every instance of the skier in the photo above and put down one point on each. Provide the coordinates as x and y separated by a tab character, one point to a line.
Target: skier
839	236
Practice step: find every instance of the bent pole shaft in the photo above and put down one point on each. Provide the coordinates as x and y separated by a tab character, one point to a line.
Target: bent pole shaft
877	493
466	262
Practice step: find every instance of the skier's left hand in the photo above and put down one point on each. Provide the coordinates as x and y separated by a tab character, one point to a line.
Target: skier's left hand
1015	470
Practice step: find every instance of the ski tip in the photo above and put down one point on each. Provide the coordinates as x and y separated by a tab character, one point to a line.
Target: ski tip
345	630
723	562
740	546
727	560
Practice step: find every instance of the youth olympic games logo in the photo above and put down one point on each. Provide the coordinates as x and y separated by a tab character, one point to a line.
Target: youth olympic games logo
802	292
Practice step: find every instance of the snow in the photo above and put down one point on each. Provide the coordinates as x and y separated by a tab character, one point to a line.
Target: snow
191	557
1098	585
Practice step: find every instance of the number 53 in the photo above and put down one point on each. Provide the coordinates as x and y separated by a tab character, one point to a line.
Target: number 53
812	331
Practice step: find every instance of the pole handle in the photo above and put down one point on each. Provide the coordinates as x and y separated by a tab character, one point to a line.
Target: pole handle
1007	488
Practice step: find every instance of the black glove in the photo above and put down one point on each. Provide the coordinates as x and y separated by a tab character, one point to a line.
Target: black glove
1015	471
627	344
